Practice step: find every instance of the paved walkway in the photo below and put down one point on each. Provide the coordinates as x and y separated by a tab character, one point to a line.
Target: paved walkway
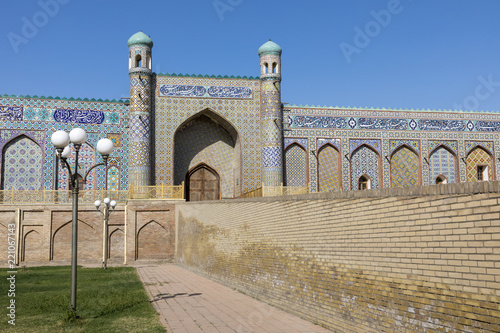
189	303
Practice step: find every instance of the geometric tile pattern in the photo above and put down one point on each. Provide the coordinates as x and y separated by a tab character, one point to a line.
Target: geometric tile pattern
140	128
202	140
365	161
395	144
375	144
478	156
295	166
470	145
22	165
272	141
116	138
404	168
442	162
329	169
113	179
451	145
289	141
334	142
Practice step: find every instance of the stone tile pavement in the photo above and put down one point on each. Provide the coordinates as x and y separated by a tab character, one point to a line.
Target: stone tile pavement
189	303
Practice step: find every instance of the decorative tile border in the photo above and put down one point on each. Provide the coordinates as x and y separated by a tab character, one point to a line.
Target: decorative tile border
179	90
78	116
11	113
334	122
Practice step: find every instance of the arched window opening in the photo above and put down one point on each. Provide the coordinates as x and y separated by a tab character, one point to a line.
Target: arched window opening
266	68
441	180
482	173
275	68
138	61
364	183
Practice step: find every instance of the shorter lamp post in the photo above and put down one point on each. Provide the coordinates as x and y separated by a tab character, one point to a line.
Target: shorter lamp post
61	140
107	204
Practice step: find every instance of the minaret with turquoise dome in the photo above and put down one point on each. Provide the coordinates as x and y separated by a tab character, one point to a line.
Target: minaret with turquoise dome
271	114
141	76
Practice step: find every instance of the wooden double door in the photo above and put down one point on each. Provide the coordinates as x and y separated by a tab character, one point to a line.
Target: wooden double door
202	183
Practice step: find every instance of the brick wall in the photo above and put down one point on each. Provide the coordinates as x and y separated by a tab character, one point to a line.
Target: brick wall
138	230
421	259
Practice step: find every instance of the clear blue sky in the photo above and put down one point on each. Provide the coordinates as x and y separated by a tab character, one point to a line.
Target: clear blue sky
424	54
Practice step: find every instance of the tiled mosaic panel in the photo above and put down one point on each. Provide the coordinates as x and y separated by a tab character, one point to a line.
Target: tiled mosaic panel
329	169
478	156
295	166
375	144
78	116
334	142
39	125
395	144
364	161
243	114
404	168
303	121
113	179
11	112
22	165
443	162
178	90
203	141
271	133
451	145
300	141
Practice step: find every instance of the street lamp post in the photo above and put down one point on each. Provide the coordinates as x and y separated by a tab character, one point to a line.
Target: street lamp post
61	140
107	204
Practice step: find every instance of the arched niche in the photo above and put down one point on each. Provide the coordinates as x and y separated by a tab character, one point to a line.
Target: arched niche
22	164
209	138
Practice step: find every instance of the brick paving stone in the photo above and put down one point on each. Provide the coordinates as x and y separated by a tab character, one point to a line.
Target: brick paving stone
191	303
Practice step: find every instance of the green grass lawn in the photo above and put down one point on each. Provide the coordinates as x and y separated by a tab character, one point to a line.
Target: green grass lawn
111	300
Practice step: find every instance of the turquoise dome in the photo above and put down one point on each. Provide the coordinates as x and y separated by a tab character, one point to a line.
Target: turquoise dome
269	48
140	38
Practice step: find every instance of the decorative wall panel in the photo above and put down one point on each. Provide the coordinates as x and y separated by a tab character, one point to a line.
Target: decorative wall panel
405	166
177	90
329	169
11	113
365	161
22	165
295	166
478	156
443	162
78	116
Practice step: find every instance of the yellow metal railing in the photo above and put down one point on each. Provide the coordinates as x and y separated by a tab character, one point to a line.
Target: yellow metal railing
159	192
23	197
270	191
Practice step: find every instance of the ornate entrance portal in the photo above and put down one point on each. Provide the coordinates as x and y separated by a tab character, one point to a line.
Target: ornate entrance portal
203	183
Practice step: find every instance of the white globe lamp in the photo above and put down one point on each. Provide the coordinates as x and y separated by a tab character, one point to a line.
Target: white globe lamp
60	139
105	147
66	152
78	136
